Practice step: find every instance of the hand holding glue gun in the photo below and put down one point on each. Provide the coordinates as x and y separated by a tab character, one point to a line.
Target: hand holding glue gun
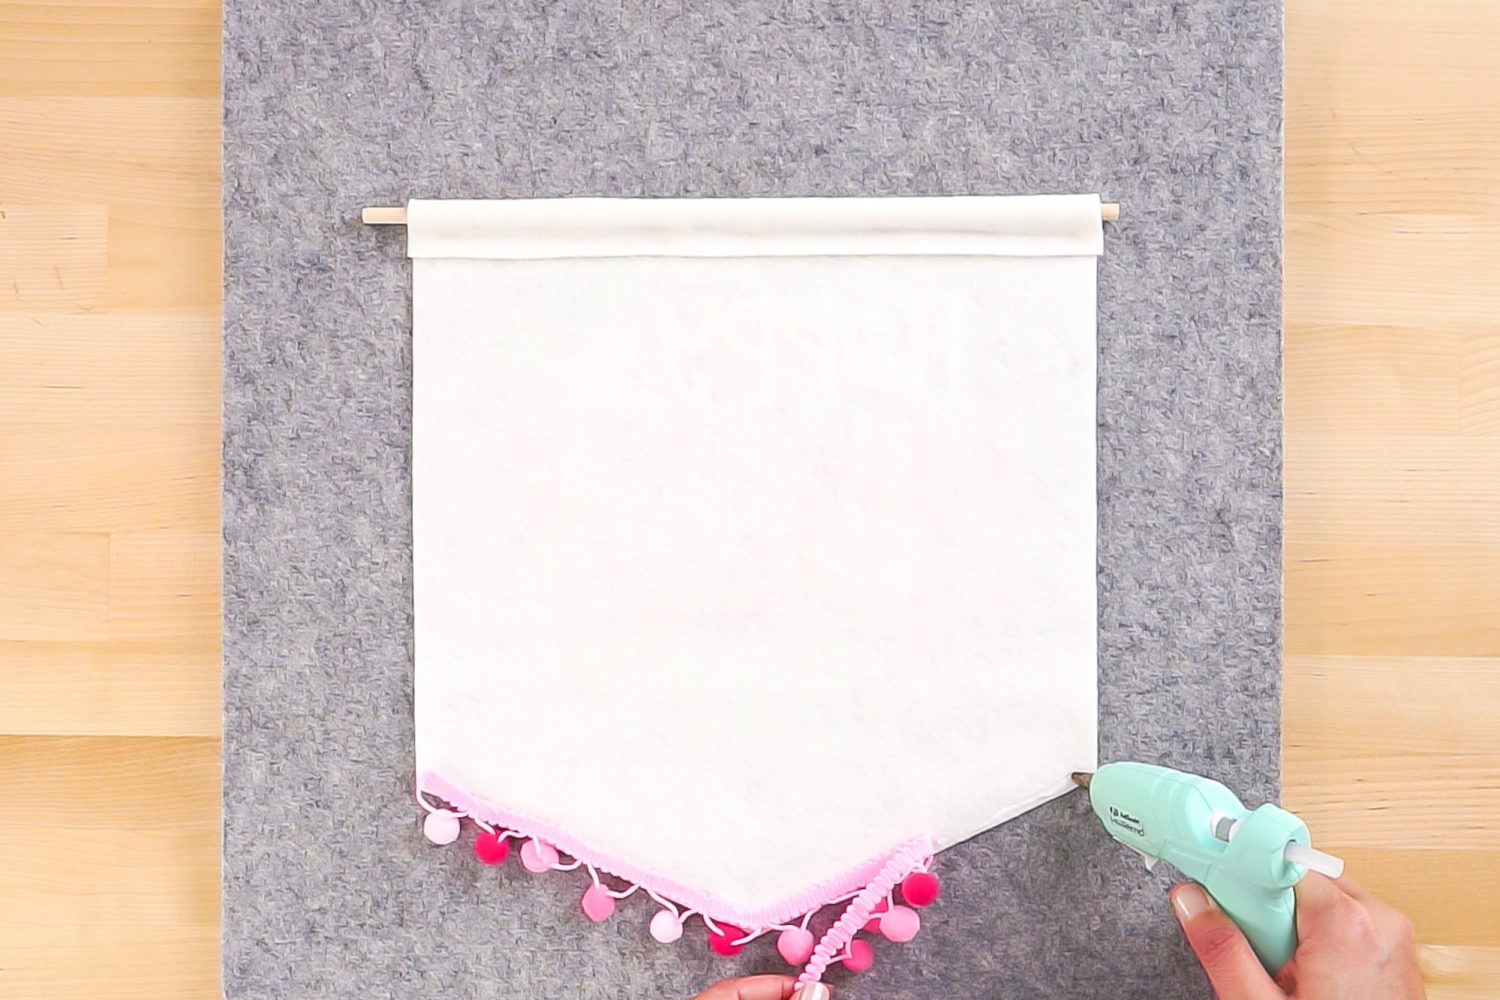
1257	936
1268	916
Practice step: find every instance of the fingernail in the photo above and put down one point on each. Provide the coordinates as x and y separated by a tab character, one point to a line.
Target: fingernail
1190	900
812	991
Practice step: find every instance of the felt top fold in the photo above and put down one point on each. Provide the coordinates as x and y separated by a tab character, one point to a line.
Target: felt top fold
549	228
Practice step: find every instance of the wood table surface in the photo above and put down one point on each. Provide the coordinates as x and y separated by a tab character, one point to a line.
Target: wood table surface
109	478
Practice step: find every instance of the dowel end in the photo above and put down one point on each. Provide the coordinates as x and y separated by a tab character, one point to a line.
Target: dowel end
1109	211
383	216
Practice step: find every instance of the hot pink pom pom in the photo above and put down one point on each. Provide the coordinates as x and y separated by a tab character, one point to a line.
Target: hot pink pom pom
598	904
665	926
440	827
901	924
920	889
796	945
723	943
490	848
538	856
861	956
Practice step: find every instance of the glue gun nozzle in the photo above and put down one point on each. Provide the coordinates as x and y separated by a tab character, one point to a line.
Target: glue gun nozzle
1082	778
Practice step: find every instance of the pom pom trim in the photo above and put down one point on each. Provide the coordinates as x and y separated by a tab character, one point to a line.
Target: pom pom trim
865	887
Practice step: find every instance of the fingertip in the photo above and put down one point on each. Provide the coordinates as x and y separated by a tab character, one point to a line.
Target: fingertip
1189	900
1221	947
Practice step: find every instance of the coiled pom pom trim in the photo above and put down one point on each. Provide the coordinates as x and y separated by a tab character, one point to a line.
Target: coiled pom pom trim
871	909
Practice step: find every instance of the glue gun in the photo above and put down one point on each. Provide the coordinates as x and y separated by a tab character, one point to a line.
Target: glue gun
1247	860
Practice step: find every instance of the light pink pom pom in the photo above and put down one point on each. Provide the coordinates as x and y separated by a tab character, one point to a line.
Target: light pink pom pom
665	926
538	856
795	945
440	827
597	903
901	924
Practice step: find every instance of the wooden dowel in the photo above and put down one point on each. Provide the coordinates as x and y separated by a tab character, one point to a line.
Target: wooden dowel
395	215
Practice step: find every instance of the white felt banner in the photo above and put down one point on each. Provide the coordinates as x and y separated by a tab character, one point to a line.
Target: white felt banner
754	538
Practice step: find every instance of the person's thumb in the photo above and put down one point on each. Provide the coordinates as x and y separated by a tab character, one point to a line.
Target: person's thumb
1226	956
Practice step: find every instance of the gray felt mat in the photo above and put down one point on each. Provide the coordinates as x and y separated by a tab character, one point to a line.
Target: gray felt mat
1173	108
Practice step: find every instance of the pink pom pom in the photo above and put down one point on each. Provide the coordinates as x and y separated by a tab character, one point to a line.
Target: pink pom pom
598	904
490	848
665	926
723	943
796	945
901	924
440	827
920	889
538	856
861	956
873	924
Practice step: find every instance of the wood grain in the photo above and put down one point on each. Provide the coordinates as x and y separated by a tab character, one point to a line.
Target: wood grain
53	257
1460	973
109	842
111	687
109	48
1392	470
108	477
109	560
54	585
109	401
137	369
112	152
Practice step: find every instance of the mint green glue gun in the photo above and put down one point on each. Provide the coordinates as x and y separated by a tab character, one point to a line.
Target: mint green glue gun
1247	860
